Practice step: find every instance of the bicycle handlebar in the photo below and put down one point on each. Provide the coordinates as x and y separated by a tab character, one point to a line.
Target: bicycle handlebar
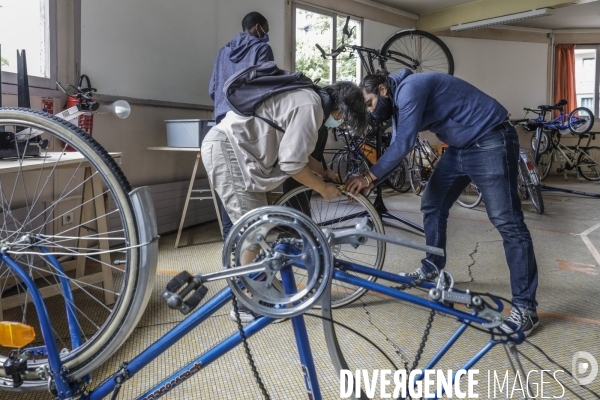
323	54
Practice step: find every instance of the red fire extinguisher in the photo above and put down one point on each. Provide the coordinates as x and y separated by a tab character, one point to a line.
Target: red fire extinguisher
85	121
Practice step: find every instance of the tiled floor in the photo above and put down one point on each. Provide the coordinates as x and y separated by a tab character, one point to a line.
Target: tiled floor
569	297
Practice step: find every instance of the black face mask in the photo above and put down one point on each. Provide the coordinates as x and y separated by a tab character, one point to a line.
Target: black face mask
383	110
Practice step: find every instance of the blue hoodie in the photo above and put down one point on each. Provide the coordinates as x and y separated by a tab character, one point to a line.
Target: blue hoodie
243	51
456	111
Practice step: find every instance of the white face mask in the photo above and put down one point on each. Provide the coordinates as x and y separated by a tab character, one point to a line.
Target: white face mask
333	123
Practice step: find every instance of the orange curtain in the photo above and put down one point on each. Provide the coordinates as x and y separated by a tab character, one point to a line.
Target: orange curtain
564	78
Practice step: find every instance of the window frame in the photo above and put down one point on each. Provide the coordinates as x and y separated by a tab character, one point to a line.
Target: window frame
10	78
596	97
333	15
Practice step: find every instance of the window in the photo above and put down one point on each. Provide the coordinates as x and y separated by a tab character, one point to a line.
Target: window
33	23
315	26
586	77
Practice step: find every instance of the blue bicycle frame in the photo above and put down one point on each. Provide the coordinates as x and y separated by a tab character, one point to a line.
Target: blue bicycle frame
66	389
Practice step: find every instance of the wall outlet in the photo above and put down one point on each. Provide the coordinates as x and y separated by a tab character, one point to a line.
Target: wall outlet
68	218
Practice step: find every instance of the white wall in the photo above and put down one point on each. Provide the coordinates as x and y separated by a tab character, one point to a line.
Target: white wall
514	73
164	50
375	33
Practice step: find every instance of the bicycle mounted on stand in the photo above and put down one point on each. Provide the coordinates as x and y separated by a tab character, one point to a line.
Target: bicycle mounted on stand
408	48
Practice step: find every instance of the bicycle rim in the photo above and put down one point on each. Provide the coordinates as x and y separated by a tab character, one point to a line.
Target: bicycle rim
581	120
588	163
470	197
349	164
335	214
416	168
429	53
397	180
545	165
44	202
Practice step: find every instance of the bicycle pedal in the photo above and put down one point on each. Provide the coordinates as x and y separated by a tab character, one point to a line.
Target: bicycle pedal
181	286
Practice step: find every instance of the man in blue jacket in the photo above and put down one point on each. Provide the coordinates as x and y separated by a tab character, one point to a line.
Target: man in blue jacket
483	147
245	49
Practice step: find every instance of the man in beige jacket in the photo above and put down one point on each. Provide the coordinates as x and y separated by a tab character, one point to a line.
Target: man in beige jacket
245	157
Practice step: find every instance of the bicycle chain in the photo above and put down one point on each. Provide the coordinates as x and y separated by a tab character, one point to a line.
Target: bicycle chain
261	256
414	284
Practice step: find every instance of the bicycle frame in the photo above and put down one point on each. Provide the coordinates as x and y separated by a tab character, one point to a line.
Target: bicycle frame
374	54
68	389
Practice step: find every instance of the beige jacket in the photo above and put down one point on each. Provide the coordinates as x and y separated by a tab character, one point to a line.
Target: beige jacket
267	156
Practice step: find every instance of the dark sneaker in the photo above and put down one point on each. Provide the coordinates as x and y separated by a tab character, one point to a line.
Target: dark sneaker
524	320
418	274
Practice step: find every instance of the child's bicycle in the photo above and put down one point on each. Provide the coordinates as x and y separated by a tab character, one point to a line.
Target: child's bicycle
579	122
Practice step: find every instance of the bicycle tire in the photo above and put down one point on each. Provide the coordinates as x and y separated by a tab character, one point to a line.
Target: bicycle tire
415	172
323	212
544	143
136	281
581	121
333	163
351	163
545	164
591	157
521	183
397	180
533	188
470	197
437	56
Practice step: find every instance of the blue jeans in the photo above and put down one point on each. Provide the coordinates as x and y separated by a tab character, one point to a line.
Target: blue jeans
491	163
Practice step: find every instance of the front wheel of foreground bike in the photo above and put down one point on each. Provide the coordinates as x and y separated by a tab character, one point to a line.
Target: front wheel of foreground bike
341	213
44	216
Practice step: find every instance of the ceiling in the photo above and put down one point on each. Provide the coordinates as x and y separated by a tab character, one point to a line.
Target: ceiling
421	6
576	16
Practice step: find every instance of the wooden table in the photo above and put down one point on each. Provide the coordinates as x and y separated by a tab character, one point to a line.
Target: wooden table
90	211
191	190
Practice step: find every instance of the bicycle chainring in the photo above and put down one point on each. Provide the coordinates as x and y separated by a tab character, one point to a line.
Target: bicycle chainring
287	242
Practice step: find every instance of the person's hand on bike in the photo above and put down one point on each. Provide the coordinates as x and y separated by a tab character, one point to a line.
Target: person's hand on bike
359	183
330	176
330	191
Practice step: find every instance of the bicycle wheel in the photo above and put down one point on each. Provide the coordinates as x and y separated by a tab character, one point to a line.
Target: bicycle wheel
588	163
415	172
340	213
581	120
544	143
397	180
421	50
534	189
42	210
470	197
545	165
333	164
522	184
351	163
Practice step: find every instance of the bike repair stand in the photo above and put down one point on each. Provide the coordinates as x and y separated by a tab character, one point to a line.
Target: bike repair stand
378	203
536	159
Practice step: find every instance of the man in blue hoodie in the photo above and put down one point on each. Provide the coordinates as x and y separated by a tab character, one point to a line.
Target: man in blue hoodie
483	148
245	49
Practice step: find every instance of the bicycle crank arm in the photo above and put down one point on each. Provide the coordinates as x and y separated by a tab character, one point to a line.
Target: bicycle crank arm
357	237
237	271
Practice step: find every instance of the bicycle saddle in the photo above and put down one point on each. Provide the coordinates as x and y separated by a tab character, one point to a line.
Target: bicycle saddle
557	106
